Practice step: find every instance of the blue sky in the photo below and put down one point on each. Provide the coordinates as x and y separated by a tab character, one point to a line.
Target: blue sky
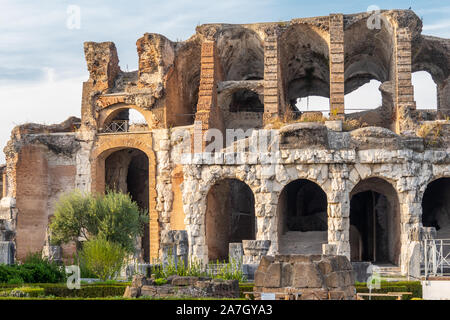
42	62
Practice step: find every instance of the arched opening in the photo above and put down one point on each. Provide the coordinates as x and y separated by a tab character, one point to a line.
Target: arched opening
241	54
374	222
425	90
246	101
313	103
368	78
126	171
436	207
302	218
304	56
230	217
125	120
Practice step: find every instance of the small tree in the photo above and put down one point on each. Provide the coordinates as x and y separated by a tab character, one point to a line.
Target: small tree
104	258
113	216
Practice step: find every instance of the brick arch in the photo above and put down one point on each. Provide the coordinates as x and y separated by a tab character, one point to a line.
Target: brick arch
109	111
108	144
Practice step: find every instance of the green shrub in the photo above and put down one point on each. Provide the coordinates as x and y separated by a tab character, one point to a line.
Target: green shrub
415	287
35	272
17	280
160	281
104	258
95	290
27	292
113	216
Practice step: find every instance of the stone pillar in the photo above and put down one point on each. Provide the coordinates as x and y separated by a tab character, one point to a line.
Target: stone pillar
174	247
235	252
404	92
337	65
103	66
338	220
271	78
410	237
210	73
6	252
254	250
443	98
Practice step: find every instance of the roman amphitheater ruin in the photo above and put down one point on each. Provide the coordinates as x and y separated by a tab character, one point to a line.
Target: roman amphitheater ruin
224	154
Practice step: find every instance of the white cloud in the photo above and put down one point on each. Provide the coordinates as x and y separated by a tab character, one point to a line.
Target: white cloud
45	102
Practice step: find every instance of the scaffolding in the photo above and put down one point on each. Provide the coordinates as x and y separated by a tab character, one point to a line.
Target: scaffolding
436	257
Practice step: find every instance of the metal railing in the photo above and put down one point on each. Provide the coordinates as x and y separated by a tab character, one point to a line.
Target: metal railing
436	257
117	126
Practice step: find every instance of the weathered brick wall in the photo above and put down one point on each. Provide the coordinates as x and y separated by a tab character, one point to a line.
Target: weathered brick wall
337	64
272	79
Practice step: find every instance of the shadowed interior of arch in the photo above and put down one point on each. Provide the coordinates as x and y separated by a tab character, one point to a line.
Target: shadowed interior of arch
302	218
126	171
230	217
374	222
436	207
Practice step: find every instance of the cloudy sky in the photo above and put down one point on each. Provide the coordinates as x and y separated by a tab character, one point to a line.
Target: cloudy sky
42	64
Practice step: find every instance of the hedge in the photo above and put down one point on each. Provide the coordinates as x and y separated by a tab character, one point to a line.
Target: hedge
31	273
245	287
415	287
86	291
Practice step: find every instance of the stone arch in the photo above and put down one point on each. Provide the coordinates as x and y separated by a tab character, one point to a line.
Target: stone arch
304	56
105	146
229	216
369	61
302	225
108	113
375	219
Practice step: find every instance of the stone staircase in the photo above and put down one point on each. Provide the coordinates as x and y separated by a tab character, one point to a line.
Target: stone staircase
390	272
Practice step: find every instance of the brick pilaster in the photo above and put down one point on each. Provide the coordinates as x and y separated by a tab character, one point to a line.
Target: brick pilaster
404	92
207	110
337	65
271	78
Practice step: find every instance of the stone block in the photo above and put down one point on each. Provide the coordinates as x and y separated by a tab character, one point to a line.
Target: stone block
286	274
184	281
306	275
272	278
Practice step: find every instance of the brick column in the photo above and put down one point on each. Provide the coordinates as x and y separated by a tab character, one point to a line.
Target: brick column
207	110
404	92
337	65
271	78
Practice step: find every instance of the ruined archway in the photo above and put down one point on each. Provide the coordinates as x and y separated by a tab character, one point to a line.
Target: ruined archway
368	72
302	218
230	217
126	171
304	56
374	222
123	118
436	207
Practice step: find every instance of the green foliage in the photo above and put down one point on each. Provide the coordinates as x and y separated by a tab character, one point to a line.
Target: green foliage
72	217
415	287
27	292
104	258
84	271
113	216
34	270
245	287
86	291
160	281
195	268
229	271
